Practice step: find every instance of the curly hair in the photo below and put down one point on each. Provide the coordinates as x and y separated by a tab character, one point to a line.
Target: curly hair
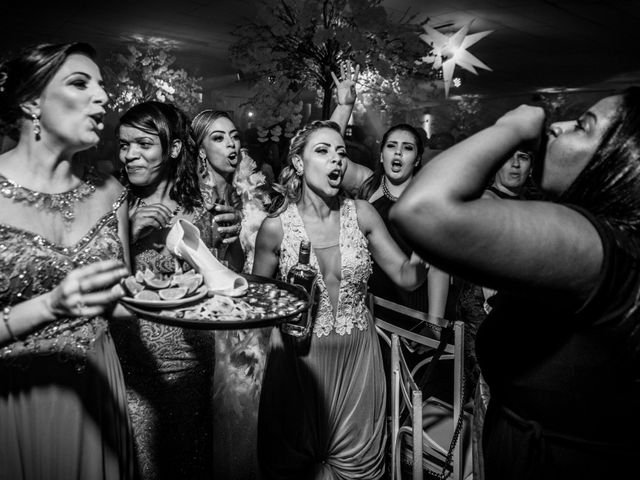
372	183
202	124
289	186
170	124
25	76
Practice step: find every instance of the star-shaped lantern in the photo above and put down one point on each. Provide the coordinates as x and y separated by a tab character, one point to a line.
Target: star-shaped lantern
449	51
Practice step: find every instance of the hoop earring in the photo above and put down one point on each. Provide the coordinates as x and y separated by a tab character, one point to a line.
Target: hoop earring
36	126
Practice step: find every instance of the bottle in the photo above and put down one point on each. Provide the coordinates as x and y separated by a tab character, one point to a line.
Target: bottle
306	276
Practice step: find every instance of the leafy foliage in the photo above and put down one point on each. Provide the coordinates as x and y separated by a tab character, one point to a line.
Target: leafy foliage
466	115
146	72
295	44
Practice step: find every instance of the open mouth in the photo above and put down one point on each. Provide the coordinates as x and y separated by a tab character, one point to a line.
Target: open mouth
396	165
335	176
233	158
98	119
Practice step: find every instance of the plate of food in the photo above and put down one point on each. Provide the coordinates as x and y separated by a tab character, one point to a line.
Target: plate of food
266	302
150	290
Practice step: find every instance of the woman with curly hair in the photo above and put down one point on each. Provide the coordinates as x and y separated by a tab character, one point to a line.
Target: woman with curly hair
168	370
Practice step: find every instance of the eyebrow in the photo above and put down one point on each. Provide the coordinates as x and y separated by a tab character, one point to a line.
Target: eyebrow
135	139
223	132
328	145
85	75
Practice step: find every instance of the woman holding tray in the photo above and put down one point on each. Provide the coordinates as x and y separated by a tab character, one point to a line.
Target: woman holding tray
168	370
322	411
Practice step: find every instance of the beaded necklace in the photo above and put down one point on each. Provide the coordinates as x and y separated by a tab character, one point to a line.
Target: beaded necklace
386	192
64	203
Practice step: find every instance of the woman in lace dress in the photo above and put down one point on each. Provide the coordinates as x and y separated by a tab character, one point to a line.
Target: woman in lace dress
63	249
168	370
322	411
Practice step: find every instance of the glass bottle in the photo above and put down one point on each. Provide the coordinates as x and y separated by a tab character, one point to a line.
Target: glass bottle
306	276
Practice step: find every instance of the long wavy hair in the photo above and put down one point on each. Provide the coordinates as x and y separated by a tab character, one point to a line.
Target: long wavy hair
372	183
170	124
202	125
24	78
289	186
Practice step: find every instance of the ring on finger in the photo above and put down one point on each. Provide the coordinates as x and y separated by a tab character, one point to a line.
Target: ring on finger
81	306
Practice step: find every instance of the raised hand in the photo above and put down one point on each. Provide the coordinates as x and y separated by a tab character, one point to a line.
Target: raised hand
346	85
88	291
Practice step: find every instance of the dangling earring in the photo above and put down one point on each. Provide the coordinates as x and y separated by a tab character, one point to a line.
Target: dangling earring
299	172
203	167
36	126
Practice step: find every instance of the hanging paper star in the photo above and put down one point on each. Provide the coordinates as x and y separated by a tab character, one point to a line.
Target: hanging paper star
449	51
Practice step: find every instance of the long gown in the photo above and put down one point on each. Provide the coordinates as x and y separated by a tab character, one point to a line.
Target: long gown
63	409
169	376
322	413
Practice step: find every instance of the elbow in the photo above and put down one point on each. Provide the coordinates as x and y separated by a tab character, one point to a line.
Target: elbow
410	212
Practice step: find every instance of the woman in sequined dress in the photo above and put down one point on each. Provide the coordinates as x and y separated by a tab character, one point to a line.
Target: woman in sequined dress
322	408
168	370
63	249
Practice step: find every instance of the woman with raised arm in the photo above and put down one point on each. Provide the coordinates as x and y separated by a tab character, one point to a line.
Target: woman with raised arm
559	348
322	410
401	152
63	250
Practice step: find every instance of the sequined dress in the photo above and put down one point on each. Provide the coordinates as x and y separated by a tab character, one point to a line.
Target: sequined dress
63	410
169	375
322	413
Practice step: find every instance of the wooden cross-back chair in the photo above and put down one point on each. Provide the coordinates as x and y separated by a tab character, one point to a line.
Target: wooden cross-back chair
441	446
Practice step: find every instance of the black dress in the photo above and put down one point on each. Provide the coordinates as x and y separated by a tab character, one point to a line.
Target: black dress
564	377
382	286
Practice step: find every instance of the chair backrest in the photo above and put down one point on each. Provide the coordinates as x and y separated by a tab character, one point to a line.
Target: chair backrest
404	328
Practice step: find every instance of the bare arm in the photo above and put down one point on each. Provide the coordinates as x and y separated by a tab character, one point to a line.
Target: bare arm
355	174
267	253
438	291
345	94
407	273
508	245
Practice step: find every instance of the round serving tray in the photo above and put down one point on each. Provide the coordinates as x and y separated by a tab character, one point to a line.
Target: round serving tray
275	302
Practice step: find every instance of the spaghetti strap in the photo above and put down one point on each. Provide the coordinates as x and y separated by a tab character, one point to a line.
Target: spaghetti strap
120	200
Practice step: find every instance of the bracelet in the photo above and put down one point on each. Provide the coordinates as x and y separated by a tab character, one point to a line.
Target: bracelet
5	318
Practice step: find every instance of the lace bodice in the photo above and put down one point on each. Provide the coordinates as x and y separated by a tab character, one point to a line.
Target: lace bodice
31	265
354	275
